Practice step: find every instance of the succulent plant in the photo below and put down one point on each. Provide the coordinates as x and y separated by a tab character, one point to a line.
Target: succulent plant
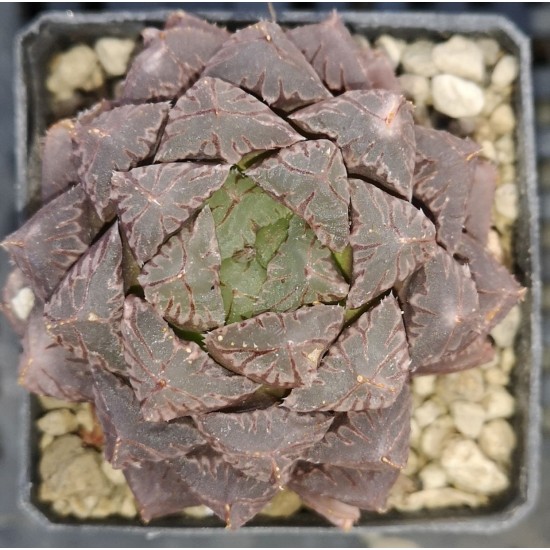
242	261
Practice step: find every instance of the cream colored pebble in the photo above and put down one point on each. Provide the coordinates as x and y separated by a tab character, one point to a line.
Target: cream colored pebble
505	332
114	476
498	440
114	54
460	56
498	403
503	120
283	504
444	497
468	417
505	72
198	512
57	422
417	58
490	49
433	476
393	47
435	436
424	385
468	385
85	417
428	412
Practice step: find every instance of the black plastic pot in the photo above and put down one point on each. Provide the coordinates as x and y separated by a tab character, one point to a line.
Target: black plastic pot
52	33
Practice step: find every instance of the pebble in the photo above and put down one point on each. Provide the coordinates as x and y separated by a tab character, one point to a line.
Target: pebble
505	332
435	436
416	432
433	476
467	468
22	303
507	359
506	149
498	403
497	376
461	57
417	59
507	173
416	88
426	413
488	150
393	47
503	120
413	464
493	98
45	440
505	72
497	440
490	49
85	417
506	201
52	403
468	417
467	385
114	476
424	385
456	97
443	497
57	422
75	69
114	54
494	245
198	512
283	504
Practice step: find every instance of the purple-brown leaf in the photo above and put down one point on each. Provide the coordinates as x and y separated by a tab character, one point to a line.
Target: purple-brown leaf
171	377
311	180
216	120
443	178
130	440
45	368
263	61
365	369
441	309
375	131
232	496
368	440
183	280
159	489
85	312
281	350
48	244
155	201
115	140
339	513
366	489
264	444
173	58
390	239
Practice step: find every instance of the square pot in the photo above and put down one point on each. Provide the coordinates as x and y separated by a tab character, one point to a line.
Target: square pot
53	32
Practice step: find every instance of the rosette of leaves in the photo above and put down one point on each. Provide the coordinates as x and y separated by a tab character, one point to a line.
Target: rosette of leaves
242	261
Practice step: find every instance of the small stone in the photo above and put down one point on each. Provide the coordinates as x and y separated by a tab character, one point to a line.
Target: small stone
503	120
198	512
467	385
424	385
461	57
445	497
435	436
484	132
498	403
114	54
493	98
116	477
45	440
506	149
82	506
507	173
283	504
417	58
104	507
496	376
400	491
494	246
61	507
75	69
497	440
505	332
505	72
468	417
416	432
57	422
393	47
456	97
488	150
413	464
490	49
433	476
85	417
508	359
51	403
416	88
22	303
467	468
428	412
128	507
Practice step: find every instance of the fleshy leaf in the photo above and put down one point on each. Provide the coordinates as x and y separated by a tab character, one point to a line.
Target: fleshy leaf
366	489
365	369
171	377
337	59
301	272
130	440
155	201
173	58
390	240
311	180
338	513
441	309
498	290
480	200
182	281
281	350
443	179
115	140
264	444
263	61
233	497
368	440
59	162
45	368
86	310
48	244
215	120
159	489
375	131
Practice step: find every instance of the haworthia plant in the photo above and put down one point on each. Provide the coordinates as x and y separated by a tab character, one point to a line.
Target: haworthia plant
242	261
